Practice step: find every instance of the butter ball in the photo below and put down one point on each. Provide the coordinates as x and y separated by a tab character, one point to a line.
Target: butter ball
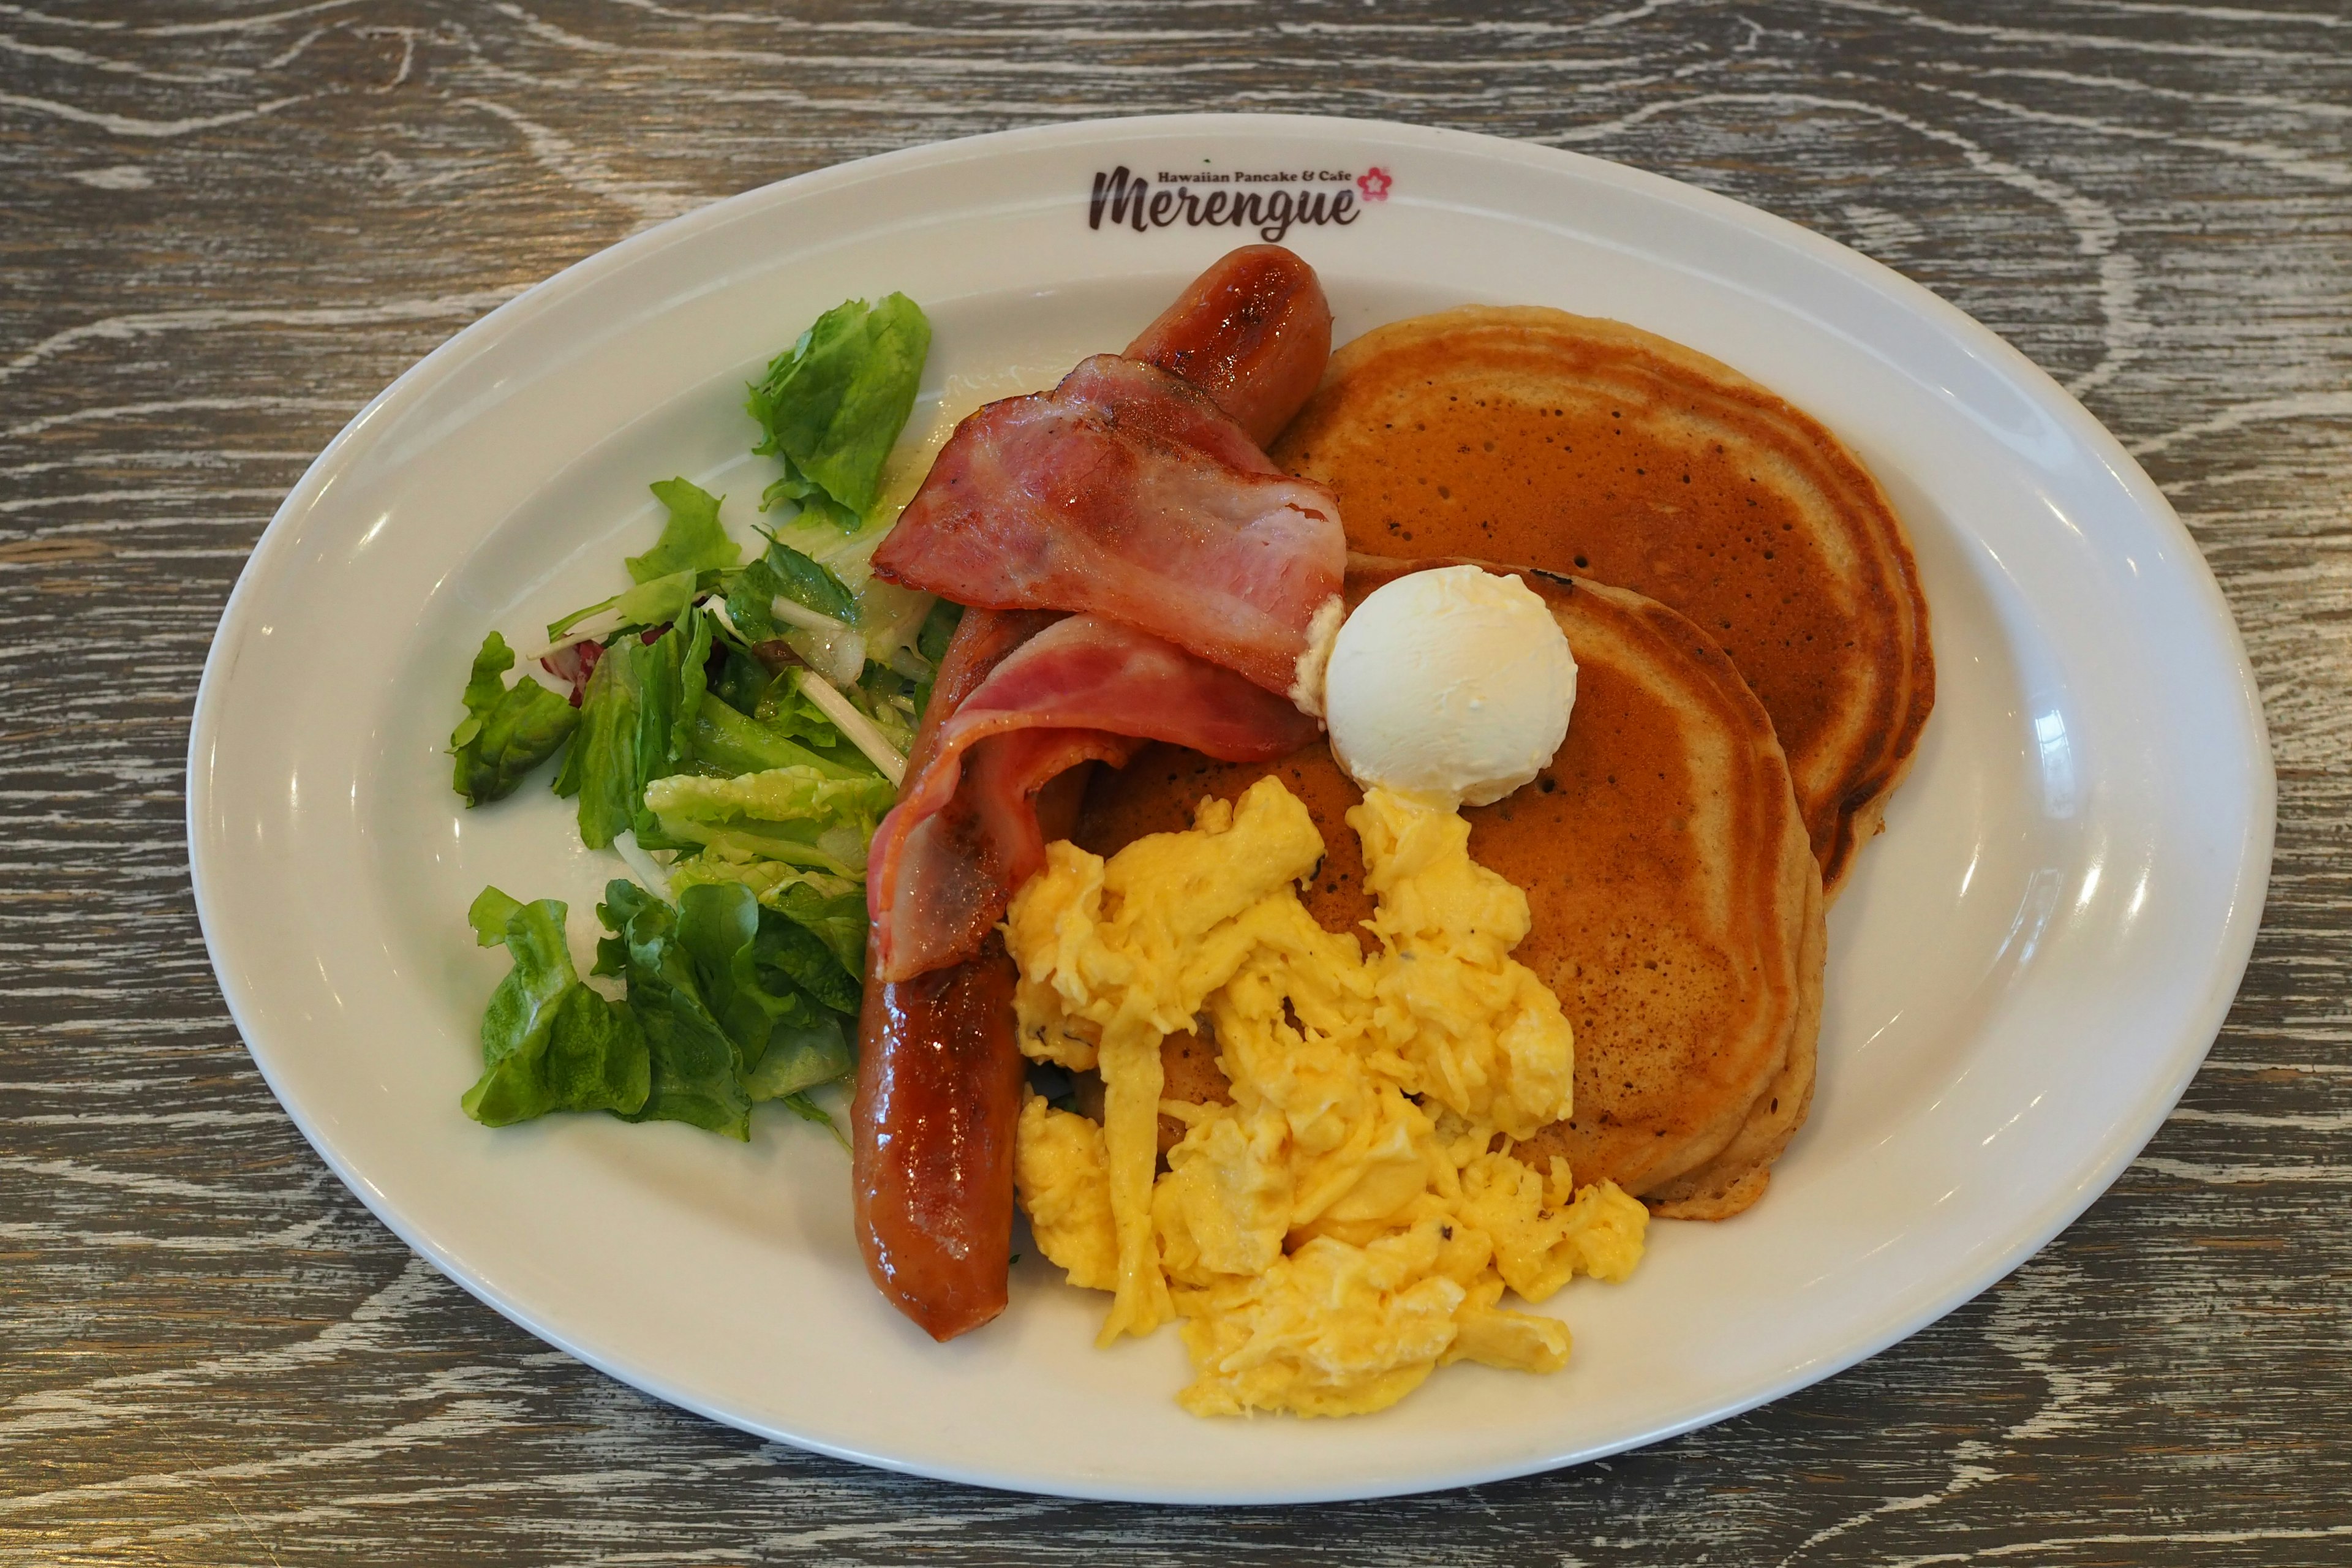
1452	685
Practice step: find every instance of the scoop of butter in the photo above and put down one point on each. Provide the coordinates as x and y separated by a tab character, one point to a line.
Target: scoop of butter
1453	684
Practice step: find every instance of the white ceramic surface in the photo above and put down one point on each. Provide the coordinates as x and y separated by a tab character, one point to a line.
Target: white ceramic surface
2023	974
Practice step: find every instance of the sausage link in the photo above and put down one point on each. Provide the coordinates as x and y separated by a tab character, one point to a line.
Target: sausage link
939	1094
938	1083
1254	332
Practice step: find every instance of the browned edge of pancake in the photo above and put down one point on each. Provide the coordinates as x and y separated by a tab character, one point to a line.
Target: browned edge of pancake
1737	1177
1841	810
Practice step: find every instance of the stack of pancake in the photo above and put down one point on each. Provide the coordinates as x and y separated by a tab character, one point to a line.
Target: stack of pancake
1754	670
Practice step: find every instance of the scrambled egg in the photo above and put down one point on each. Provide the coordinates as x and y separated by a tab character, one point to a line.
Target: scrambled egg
1348	1224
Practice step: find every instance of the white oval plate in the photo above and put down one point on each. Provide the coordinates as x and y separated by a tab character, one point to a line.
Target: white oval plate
2024	974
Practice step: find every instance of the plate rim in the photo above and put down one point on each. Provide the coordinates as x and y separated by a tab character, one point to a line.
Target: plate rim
2252	849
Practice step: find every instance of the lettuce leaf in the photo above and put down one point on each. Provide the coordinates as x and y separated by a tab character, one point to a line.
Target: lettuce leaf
836	916
784	707
812	934
729	1003
789	732
728	1026
768	879
938	630
887	699
696	1065
742	678
483	687
798	1058
784	572
888	616
800	815
802	957
831	405
548	1042
826	636
649	604
791	1038
507	730
636	719
688	561
691	541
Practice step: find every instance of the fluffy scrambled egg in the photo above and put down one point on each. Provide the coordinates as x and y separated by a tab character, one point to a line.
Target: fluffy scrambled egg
1348	1224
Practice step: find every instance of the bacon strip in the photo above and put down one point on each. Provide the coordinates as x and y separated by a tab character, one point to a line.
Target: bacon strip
963	835
1133	395
1127	494
951	871
983	639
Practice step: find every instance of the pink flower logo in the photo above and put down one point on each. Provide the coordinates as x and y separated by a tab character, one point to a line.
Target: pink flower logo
1374	182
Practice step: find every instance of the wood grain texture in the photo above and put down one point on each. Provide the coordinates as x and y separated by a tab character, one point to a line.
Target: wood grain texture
224	226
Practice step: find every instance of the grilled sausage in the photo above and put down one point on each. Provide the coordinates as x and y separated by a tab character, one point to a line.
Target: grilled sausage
1252	331
938	1083
939	1093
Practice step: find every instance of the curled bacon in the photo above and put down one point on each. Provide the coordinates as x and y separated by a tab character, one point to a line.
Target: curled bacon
962	836
1127	494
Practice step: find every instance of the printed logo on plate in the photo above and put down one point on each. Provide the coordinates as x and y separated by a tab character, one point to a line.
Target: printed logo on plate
1267	204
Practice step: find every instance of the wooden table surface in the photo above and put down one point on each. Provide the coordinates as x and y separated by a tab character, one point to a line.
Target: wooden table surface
224	226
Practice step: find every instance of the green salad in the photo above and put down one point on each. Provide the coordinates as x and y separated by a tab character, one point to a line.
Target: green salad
733	730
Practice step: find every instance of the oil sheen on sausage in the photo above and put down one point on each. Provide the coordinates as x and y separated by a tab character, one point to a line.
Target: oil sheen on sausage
939	1084
1252	331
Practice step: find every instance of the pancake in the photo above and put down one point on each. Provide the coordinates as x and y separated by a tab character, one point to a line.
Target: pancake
1675	901
1590	447
1736	1176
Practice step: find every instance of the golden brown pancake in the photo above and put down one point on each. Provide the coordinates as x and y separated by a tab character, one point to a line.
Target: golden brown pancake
1675	901
1593	448
1736	1176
